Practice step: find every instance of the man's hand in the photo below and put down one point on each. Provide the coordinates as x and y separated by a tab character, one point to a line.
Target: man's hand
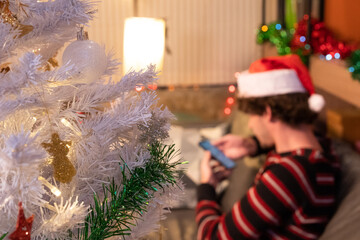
236	147
211	171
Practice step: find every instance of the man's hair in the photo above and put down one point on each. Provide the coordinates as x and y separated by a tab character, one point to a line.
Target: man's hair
292	108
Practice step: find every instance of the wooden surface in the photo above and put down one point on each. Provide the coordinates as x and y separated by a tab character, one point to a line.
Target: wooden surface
341	17
344	124
335	78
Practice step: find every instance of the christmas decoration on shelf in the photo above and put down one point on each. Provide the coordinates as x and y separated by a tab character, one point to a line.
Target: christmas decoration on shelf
294	40
278	36
23	226
354	63
322	40
84	154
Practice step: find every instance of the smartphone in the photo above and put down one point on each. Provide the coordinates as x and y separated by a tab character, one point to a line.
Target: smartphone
217	154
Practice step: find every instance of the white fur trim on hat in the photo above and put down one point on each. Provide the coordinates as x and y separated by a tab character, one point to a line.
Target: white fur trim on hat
316	102
269	83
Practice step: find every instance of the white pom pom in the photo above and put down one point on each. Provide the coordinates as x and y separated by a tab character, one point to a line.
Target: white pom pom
316	102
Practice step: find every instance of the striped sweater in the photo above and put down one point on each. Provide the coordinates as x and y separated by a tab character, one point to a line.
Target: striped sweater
293	197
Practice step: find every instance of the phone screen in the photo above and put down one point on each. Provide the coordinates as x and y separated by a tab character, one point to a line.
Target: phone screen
217	154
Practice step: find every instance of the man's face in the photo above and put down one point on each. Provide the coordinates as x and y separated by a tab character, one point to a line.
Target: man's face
260	127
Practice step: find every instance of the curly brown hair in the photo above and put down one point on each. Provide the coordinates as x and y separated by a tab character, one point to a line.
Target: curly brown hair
292	109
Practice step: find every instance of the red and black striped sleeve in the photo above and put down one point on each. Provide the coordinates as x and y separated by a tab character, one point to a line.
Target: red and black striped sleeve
268	203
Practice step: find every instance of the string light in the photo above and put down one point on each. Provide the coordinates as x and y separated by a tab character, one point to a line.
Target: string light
328	57
51	187
139	88
153	86
264	28
230	100
66	122
36	50
171	88
232	88
227	111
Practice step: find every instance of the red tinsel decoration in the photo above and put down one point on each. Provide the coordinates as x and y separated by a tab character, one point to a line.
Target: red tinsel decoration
322	40
23	226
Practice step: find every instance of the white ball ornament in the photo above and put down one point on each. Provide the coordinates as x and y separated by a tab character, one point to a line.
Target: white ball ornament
89	58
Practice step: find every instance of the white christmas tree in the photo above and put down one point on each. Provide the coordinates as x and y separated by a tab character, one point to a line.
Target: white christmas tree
81	156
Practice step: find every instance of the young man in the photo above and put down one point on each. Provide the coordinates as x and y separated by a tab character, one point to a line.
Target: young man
293	195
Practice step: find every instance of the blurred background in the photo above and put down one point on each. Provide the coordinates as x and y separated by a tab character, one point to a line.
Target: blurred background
200	45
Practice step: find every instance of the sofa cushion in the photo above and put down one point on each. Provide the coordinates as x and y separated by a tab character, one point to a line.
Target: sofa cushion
345	222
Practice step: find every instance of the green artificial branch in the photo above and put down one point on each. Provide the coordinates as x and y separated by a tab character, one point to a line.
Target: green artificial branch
121	206
3	236
354	65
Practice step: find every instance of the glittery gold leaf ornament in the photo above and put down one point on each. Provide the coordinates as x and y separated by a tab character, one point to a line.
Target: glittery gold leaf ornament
64	170
11	19
4	68
51	62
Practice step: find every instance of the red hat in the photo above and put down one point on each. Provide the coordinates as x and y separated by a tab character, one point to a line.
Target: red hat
278	75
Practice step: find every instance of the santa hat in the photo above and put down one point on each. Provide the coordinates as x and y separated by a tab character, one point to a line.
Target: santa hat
278	75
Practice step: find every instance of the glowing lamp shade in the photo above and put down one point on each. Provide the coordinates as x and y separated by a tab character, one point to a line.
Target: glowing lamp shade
144	43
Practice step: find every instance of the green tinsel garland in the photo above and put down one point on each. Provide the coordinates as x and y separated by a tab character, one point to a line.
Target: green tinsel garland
278	36
354	63
281	39
114	215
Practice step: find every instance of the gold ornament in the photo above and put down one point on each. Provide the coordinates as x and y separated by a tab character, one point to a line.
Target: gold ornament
64	170
11	19
4	68
25	29
51	62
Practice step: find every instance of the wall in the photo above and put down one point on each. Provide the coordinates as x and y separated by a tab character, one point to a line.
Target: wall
208	40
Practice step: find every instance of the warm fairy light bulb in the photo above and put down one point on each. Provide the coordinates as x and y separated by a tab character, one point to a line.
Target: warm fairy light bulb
66	122
36	50
139	88
227	111
69	125
52	188
230	100
264	28
152	86
232	88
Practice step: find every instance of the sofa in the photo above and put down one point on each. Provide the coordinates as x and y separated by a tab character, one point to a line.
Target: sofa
345	223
